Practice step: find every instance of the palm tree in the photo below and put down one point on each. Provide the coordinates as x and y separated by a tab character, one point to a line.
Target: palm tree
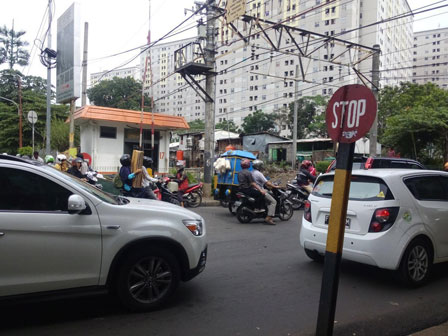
12	47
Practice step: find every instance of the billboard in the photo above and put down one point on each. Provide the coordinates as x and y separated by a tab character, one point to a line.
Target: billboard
68	69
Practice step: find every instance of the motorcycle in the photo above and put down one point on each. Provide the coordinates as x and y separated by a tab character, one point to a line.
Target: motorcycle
192	196
92	178
296	194
246	207
163	193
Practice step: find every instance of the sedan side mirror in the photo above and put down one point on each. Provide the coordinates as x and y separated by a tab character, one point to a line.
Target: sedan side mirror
76	204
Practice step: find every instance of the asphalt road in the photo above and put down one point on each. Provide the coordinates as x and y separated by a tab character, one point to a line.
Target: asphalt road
258	281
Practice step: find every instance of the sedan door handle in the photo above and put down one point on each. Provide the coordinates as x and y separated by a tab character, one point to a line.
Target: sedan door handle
113	227
2	234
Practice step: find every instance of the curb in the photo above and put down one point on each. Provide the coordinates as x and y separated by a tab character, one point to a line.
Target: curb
210	202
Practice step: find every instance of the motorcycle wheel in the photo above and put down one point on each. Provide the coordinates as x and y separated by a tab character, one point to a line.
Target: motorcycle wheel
242	216
194	200
295	204
285	212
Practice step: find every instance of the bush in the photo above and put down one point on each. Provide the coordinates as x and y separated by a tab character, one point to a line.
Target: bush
27	150
321	166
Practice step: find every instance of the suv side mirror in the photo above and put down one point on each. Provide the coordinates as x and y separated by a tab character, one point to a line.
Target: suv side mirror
76	204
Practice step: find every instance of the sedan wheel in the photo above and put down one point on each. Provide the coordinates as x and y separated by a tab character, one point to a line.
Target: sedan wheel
147	279
415	266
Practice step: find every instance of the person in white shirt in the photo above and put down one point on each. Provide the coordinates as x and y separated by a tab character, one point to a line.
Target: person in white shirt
36	157
147	179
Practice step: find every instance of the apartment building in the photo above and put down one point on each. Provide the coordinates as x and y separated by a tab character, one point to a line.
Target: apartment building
133	72
430	57
172	94
252	76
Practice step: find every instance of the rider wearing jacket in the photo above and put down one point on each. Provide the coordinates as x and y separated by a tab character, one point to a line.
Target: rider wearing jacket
127	176
304	176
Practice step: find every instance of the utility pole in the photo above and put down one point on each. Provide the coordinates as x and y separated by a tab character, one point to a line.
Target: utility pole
209	141
71	136
48	119
375	86
20	113
84	65
294	128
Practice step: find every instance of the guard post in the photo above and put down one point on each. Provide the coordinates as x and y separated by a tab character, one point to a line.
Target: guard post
349	116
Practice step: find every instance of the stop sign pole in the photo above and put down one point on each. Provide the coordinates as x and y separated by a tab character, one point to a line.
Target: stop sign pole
349	116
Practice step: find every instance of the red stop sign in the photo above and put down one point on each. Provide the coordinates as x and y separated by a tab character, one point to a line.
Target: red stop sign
350	113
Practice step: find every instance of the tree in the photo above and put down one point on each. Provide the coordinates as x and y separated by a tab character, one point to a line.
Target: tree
197	125
123	93
413	119
227	125
12	47
310	116
259	122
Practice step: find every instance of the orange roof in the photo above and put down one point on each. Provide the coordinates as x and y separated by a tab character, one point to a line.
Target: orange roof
129	116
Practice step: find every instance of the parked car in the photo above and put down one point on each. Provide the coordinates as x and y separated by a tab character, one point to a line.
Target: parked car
363	162
58	234
396	219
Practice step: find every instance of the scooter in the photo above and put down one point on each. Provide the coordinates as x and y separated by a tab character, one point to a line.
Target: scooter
163	193
246	210
296	194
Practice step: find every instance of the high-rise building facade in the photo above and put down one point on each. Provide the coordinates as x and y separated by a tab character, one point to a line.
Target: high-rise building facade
172	94
430	62
133	72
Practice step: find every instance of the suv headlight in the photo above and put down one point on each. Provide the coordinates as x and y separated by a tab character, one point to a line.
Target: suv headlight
194	225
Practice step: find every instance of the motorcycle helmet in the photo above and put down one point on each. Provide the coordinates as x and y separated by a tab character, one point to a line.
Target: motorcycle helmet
258	164
60	158
78	160
147	161
125	160
305	164
245	163
49	159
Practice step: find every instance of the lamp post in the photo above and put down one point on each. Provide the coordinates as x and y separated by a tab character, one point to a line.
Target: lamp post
18	113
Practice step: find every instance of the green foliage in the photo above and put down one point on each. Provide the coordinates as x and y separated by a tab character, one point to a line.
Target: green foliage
197	125
259	122
123	93
310	116
27	150
413	119
321	166
227	125
12	48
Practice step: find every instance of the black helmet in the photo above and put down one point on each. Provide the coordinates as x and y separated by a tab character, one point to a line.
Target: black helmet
147	161
125	160
258	164
80	155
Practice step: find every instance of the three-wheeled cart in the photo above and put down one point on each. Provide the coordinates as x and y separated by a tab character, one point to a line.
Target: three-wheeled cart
227	182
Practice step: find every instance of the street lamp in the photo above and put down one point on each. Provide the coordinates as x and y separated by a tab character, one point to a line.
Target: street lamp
20	122
11	101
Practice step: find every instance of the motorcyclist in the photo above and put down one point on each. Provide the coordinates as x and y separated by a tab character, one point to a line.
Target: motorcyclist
182	180
126	176
61	162
75	170
84	165
262	182
304	176
248	186
147	179
49	160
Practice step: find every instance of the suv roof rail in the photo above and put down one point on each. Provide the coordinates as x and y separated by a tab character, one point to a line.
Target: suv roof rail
19	159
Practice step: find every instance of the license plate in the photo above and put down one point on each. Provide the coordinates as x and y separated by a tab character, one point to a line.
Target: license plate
347	221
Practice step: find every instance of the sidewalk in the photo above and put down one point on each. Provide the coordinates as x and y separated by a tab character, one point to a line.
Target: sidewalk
440	330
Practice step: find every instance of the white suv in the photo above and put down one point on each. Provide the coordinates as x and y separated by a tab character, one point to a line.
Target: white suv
58	233
397	219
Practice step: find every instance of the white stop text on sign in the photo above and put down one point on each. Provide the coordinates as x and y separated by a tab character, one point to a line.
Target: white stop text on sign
353	110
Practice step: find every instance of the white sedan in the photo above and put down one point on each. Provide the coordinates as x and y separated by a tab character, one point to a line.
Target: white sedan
396	219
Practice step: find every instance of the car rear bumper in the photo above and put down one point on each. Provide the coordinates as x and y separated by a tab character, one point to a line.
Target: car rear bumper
377	249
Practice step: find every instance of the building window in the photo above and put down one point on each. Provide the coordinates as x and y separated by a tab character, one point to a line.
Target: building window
108	132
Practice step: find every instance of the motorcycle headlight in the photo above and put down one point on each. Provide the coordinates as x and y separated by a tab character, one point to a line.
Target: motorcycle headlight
194	225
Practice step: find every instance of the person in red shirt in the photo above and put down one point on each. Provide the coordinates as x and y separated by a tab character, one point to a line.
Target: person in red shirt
182	180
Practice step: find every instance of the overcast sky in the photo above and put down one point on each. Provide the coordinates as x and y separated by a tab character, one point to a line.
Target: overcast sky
116	26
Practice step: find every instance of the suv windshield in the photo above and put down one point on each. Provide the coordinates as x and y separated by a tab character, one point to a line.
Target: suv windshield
105	197
363	188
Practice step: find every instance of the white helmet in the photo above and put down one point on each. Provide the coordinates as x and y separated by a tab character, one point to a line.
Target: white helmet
60	157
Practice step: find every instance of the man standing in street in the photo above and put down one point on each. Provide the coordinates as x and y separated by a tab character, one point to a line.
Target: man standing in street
36	157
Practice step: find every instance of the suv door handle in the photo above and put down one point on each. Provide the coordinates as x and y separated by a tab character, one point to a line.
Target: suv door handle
113	227
2	234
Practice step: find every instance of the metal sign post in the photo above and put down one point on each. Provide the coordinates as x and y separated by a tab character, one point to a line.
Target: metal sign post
350	113
32	118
